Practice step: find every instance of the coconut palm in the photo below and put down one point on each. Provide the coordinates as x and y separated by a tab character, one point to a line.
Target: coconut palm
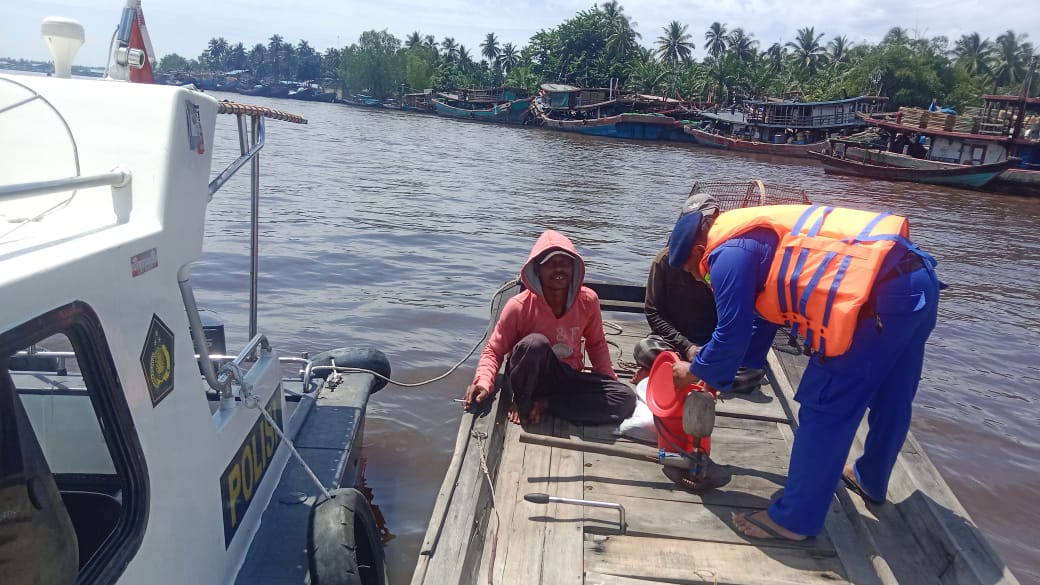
838	49
716	40
449	49
806	51
510	57
413	40
896	36
216	53
776	56
1010	59
674	45
743	46
490	49
973	53
619	34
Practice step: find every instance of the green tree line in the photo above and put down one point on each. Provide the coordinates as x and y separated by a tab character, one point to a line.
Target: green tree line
600	47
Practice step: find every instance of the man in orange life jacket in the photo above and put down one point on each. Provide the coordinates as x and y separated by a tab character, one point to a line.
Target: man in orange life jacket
863	297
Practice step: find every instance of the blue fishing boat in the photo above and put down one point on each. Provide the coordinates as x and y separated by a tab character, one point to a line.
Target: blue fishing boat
503	105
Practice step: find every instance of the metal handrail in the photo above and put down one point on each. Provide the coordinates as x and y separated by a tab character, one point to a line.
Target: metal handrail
116	178
226	174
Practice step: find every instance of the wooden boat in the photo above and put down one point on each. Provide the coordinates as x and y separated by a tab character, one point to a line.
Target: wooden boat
1014	181
602	112
962	176
631	522
1005	126
705	138
627	125
134	448
502	105
511	112
785	127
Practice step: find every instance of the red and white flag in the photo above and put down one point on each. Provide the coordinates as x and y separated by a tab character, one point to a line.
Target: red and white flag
139	40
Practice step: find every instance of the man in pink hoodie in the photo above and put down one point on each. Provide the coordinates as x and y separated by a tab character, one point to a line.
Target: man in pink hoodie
546	330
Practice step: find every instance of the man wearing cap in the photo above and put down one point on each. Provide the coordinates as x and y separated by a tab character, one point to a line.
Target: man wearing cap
681	310
864	299
546	330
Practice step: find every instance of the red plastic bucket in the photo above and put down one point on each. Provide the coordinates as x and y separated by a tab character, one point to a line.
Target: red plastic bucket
666	402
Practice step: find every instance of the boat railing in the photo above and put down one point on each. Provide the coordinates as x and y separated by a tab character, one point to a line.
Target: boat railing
252	136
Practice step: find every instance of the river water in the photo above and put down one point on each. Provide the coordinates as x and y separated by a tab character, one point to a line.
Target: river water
394	229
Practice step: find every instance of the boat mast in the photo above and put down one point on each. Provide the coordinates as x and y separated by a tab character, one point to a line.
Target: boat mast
1023	97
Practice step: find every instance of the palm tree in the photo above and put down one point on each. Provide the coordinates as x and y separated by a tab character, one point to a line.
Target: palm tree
449	48
217	53
510	57
806	51
413	40
258	60
619	34
674	45
716	40
838	49
236	57
973	53
465	60
743	46
490	50
896	36
776	55
1010	59
274	55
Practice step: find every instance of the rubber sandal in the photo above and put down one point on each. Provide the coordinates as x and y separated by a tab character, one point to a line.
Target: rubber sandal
773	534
853	486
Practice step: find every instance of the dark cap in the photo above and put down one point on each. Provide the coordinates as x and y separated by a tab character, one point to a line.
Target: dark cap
701	202
684	234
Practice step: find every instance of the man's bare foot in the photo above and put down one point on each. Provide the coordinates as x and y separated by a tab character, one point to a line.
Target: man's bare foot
514	414
759	525
537	410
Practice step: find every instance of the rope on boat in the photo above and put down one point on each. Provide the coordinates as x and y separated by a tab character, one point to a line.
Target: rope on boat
229	107
253	401
494	299
481	437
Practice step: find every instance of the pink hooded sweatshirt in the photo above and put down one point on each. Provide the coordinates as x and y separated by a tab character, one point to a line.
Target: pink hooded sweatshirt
580	327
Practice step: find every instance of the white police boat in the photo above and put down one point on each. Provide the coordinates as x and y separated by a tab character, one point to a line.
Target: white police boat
119	463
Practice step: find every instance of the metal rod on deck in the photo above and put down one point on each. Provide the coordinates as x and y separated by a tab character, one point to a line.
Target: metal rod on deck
537	498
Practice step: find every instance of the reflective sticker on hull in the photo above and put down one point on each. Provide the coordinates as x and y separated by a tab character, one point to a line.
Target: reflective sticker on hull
242	477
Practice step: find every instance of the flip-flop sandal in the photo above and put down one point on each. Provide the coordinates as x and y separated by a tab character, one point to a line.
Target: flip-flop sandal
853	486
770	531
698	418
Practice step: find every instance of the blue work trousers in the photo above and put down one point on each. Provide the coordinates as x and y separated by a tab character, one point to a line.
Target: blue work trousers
881	371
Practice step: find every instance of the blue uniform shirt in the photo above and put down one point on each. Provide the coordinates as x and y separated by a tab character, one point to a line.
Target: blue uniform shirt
738	268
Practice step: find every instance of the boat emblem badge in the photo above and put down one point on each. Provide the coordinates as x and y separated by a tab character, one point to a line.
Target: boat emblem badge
196	138
157	360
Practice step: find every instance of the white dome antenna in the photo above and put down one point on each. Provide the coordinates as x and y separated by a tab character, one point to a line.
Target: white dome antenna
64	37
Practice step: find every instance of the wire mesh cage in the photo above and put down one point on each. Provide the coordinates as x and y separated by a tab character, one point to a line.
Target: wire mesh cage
735	195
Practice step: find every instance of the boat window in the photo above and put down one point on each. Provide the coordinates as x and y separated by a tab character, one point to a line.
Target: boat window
66	438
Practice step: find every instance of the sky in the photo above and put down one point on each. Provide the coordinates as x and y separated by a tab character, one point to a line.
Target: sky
185	26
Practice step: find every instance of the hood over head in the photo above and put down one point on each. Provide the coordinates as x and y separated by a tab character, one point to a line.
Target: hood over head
550	243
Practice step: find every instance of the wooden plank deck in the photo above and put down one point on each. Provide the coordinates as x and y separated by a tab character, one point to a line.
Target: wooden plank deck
678	535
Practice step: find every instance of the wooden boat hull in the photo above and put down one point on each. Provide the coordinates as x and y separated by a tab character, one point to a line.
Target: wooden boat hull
629	125
514	112
730	143
1015	181
965	177
484	530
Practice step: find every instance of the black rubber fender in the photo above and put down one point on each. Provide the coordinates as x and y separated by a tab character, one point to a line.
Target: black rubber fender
343	543
365	357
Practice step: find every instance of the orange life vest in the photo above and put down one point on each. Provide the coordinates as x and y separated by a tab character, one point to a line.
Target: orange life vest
824	268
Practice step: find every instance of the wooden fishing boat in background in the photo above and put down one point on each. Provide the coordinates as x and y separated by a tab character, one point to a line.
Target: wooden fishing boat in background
705	138
962	176
602	112
503	105
785	127
558	503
